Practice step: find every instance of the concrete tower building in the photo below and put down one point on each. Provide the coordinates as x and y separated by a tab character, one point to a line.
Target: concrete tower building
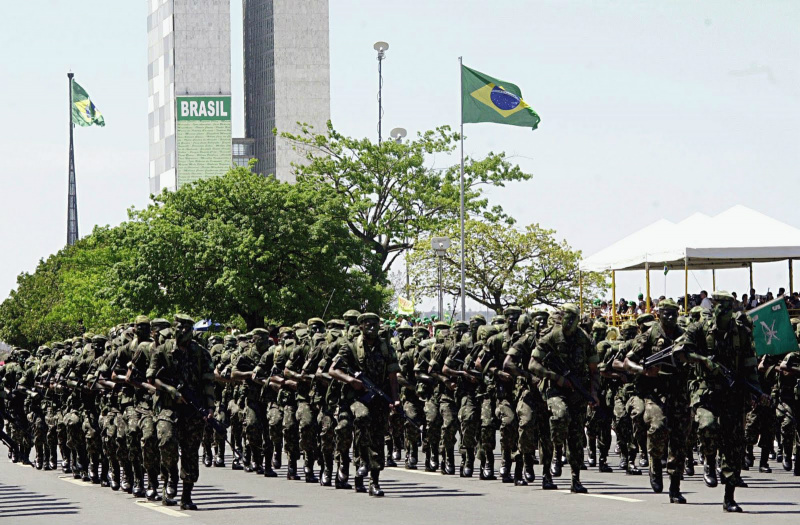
286	76
189	90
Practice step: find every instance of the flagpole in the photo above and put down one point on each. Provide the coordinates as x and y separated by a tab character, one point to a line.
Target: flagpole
72	195
463	291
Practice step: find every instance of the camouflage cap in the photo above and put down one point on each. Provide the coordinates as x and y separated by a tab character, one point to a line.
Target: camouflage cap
351	315
696	310
667	303
99	339
316	320
142	319
336	323
461	324
243	337
599	327
183	319
629	325
645	318
441	325
368	316
571	308
405	327
541	312
88	335
722	295
499	319
285	329
477	318
512	309
260	331
299	325
159	323
58	345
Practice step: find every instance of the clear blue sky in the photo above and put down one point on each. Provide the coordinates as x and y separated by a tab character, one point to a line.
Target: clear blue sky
649	109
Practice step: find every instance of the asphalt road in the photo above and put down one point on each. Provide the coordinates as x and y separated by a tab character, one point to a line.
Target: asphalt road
28	496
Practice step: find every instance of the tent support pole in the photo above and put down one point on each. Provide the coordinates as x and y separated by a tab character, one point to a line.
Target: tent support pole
686	284
791	278
750	265
647	283
614	297
713	279
580	291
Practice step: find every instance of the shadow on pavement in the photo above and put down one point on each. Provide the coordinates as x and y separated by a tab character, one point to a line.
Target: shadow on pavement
210	499
395	489
17	503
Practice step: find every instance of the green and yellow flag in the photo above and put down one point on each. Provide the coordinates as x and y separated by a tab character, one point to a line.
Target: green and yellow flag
84	112
772	329
487	99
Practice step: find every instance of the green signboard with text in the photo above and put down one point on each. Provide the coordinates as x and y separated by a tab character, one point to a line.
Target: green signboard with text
203	137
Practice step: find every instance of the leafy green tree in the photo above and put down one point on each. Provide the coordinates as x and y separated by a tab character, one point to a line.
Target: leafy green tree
505	265
394	192
246	246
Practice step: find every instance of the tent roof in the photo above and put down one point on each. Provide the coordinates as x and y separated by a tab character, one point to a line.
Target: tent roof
731	239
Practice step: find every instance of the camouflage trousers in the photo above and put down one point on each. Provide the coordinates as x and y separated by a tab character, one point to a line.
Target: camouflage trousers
433	425
222	415
470	418
112	432
178	431
343	431
91	431
256	428
567	420
51	419
488	427
787	418
307	429
291	431
509	426
326	424
720	427
370	422
449	412
141	439
534	427
394	434
275	420
760	427
414	409
38	427
665	425
598	426
73	426
235	413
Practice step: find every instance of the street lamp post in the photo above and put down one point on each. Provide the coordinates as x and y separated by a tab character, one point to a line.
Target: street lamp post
440	246
381	48
397	134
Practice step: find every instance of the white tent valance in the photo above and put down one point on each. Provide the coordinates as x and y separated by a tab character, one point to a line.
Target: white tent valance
732	239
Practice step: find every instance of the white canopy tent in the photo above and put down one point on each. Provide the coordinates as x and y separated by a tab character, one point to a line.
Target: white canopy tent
735	238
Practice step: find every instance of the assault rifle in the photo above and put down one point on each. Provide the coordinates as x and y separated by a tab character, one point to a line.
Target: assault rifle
732	381
557	366
10	443
371	390
665	356
189	398
471	371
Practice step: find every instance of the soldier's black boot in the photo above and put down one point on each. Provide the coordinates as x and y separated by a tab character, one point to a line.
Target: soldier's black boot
374	486
469	466
556	467
488	471
172	486
519	477
623	457
449	462
104	472
461	465
308	471
689	467
358	484
66	466
258	464
127	478
529	461
656	479
219	457
25	457
152	486
710	472
40	459
432	461
632	469
505	470
342	475
326	479
268	472
411	459
114	475
291	470
592	451
547	481
186	496
763	465
749	458
675	495
236	464
248	456
138	481
577	487
796	470
729	504
787	461
276	458
603	465
389	461
166	499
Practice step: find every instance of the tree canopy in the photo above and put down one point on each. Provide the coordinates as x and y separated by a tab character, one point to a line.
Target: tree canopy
505	265
393	193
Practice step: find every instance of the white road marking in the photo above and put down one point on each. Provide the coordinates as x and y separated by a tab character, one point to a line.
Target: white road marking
158	507
605	496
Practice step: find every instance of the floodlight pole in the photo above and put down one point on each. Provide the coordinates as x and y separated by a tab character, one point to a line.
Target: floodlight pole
463	290
381	48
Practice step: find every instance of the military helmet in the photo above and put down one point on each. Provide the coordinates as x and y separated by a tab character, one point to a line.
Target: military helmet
571	308
667	303
498	319
368	316
512	310
722	295
477	318
336	323
142	319
645	318
351	315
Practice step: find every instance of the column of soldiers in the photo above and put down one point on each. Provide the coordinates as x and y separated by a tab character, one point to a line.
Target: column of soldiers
122	408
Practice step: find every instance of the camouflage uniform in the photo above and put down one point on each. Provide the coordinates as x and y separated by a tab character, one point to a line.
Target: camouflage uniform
448	409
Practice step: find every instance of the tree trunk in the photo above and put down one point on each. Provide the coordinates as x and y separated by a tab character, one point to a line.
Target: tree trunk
253	320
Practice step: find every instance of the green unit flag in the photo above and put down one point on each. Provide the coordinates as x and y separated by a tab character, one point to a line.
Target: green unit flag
487	99
84	112
772	330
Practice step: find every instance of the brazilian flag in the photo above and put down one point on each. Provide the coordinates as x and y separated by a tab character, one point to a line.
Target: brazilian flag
487	99
84	112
